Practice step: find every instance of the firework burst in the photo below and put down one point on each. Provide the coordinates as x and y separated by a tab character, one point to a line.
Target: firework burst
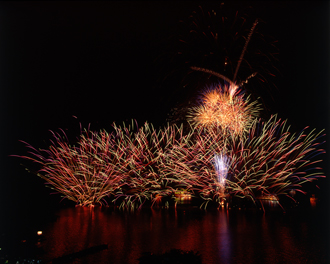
144	151
273	161
227	153
85	173
269	161
224	107
135	165
195	164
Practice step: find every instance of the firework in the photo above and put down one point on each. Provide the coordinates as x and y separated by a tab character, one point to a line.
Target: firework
146	152
195	166
228	152
144	164
125	164
221	164
225	107
217	42
85	173
140	173
272	160
269	161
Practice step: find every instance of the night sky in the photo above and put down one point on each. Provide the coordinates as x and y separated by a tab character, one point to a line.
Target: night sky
109	61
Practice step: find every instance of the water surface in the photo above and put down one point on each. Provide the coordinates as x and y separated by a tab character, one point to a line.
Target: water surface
219	236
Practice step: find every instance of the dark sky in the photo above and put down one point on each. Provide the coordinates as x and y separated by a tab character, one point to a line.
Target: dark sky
102	62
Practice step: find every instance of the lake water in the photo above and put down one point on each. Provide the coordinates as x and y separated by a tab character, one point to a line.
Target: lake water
219	236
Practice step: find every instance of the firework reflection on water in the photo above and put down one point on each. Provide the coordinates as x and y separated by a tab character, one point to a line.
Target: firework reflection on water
218	235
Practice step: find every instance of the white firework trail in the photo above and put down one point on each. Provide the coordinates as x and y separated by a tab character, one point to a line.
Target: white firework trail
221	165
